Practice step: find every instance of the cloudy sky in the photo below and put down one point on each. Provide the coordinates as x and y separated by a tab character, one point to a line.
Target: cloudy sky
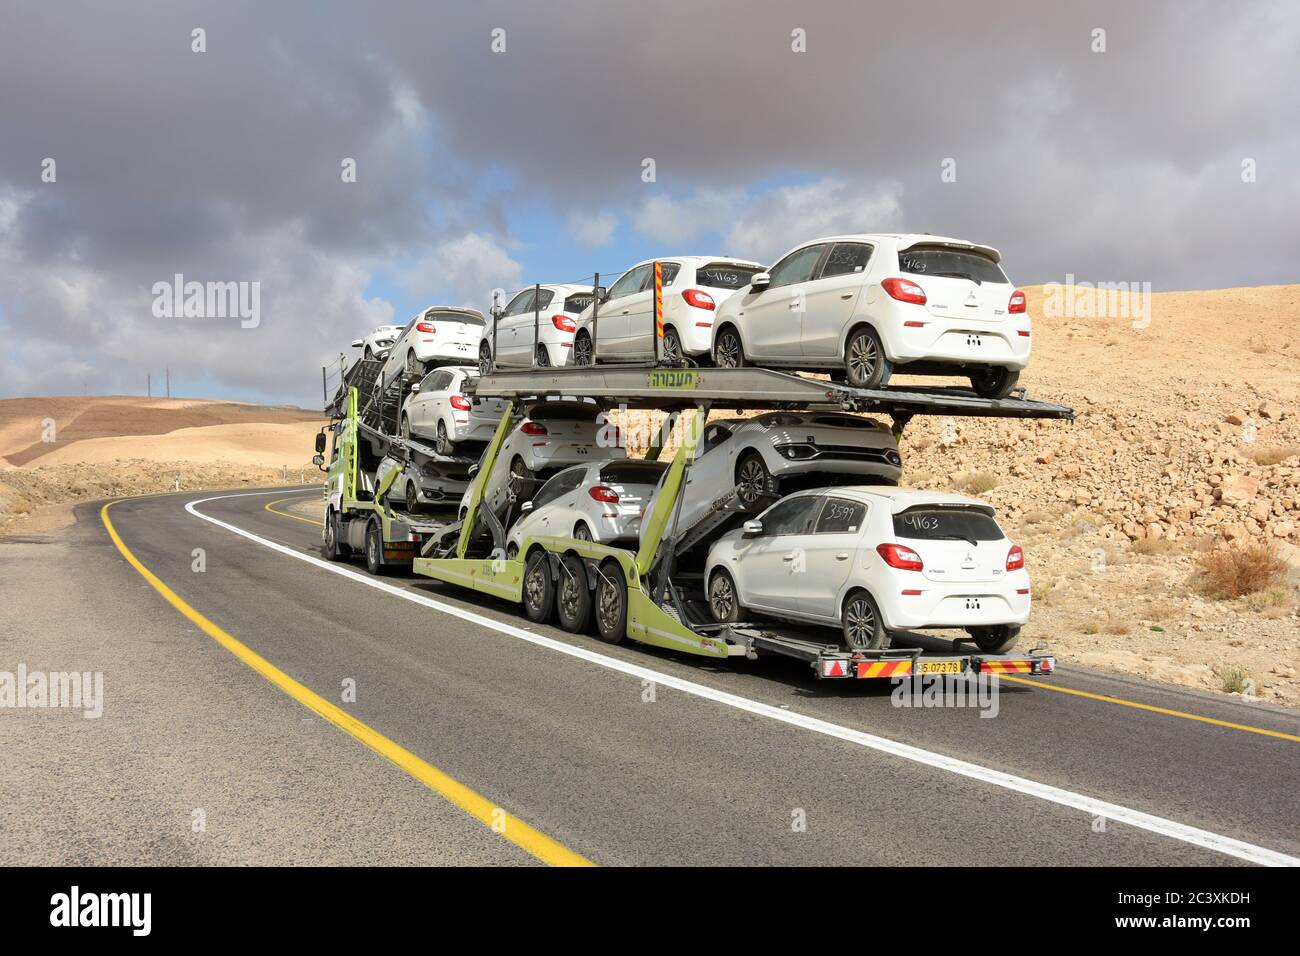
1171	156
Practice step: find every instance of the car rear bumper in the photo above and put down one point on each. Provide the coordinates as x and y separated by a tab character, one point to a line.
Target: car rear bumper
955	605
461	349
954	341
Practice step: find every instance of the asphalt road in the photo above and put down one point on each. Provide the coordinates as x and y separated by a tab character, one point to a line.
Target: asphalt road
619	755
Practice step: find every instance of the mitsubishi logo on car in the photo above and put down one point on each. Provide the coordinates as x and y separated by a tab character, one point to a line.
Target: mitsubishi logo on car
972	298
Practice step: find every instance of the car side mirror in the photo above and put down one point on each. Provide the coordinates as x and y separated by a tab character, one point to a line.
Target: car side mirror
753	528
415	387
318	460
526	507
320	443
603	295
358	343
760	280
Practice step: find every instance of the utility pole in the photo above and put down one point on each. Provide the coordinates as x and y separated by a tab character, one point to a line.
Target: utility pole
148	385
169	383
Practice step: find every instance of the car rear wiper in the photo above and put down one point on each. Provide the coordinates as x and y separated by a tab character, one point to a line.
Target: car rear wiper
958	537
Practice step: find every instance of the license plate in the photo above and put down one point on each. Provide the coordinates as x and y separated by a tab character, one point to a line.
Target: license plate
942	667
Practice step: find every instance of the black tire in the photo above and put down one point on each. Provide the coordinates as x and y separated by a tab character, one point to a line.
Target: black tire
611	604
572	596
442	444
865	363
539	589
368	355
512	551
543	357
728	350
521	481
581	532
994	381
753	480
995	640
582	350
484	358
861	624
404	427
413	365
412	498
672	351
724	602
333	549
375	550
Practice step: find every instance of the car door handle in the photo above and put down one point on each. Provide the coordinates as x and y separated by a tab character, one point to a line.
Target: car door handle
846	295
842	556
787	557
626	311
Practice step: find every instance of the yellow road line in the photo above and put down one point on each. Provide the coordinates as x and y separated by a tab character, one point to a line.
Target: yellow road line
1155	710
276	511
480	808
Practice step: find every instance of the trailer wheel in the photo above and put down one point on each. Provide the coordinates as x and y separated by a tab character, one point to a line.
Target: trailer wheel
863	627
995	640
611	604
994	381
333	548
724	603
375	550
572	596
539	589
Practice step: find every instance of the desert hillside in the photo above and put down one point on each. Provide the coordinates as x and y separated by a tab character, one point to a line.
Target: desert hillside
56	451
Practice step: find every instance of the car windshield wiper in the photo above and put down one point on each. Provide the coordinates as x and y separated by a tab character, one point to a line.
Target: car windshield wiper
958	537
957	275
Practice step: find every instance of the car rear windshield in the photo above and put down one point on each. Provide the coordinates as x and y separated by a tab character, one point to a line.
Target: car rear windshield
467	317
951	263
578	302
929	523
563	412
633	472
720	275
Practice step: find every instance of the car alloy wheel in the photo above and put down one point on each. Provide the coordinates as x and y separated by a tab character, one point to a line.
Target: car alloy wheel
865	361
722	598
412	497
543	357
412	364
752	479
582	349
484	359
405	428
581	532
443	444
672	347
729	353
861	624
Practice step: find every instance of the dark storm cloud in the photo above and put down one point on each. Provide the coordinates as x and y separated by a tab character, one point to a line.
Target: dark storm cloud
225	165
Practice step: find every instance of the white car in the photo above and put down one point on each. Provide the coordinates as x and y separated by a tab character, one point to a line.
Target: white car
773	454
552	436
442	335
694	287
872	561
419	488
378	342
601	501
439	410
864	306
535	328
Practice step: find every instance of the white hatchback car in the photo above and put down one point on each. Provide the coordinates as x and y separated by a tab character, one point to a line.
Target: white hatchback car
864	306
552	436
378	342
776	453
439	410
602	502
694	288
874	560
535	328
443	335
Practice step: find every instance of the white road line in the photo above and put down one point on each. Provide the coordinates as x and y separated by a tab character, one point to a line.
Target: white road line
1066	798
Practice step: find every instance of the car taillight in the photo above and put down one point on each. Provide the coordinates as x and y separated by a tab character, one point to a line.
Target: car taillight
460	402
904	290
425	327
602	493
1015	558
898	556
533	428
564	323
701	300
1017	303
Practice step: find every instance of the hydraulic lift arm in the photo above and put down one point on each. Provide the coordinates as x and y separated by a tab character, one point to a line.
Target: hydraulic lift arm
485	466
